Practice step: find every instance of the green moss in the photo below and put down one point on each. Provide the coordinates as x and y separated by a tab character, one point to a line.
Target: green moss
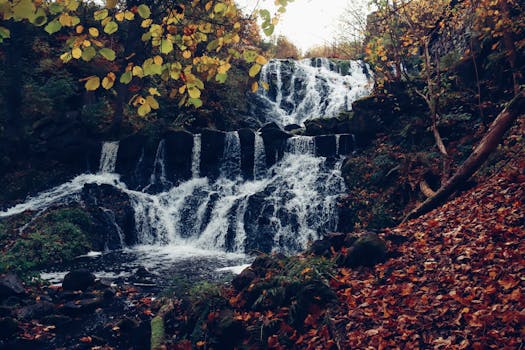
157	332
56	237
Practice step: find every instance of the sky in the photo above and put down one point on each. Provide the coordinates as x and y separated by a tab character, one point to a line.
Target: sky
306	23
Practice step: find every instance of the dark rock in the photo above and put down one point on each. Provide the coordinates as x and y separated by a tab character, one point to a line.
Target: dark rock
230	331
8	327
336	240
325	146
10	285
111	210
36	310
243	279
60	321
178	157
259	229
263	263
127	325
367	250
346	219
331	241
274	142
78	280
346	144
212	143
247	139
135	158
322	126
320	247
292	127
79	307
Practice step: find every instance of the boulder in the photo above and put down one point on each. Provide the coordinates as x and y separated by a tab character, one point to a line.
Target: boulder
112	211
367	250
244	279
78	280
10	285
179	150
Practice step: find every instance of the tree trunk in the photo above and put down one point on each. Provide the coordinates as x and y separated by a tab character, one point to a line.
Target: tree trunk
486	146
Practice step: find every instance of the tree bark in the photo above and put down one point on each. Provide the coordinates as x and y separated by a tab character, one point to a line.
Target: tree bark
486	146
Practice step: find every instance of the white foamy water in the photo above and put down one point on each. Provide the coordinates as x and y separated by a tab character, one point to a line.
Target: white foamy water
65	193
108	157
316	89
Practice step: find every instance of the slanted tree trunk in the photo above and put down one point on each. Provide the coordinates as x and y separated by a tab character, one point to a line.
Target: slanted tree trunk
486	146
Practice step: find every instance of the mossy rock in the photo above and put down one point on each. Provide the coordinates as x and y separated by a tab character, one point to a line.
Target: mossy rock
368	250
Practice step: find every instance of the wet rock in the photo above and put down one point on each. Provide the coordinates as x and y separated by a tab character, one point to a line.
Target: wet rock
113	216
274	142
247	139
36	310
212	146
79	307
323	126
10	285
346	144
292	127
367	250
8	327
61	322
320	247
333	241
178	157
78	280
325	146
135	159
244	279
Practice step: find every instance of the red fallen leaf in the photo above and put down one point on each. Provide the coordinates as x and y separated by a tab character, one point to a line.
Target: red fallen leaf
508	283
147	312
87	339
309	320
273	341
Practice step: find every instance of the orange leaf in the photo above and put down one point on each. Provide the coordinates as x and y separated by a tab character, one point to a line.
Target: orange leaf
86	339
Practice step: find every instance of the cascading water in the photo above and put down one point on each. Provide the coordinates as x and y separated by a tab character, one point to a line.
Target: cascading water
196	156
108	157
309	89
282	209
259	158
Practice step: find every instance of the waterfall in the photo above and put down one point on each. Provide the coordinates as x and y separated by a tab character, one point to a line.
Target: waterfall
301	145
196	156
108	157
308	89
281	209
337	143
259	158
158	175
231	158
